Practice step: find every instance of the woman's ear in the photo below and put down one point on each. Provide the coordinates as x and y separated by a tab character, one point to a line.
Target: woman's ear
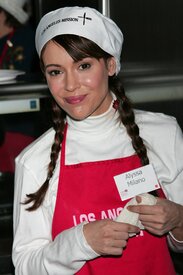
111	65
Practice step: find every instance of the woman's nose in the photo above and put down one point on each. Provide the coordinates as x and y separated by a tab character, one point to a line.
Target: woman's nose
71	82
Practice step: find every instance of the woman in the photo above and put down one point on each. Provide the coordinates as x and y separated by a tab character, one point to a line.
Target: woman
65	226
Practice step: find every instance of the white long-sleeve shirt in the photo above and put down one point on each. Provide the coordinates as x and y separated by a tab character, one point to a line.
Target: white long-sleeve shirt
96	138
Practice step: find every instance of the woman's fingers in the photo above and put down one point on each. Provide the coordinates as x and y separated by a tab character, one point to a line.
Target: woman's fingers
108	237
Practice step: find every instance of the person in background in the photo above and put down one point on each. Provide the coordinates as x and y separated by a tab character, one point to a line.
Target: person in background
66	200
17	49
17	52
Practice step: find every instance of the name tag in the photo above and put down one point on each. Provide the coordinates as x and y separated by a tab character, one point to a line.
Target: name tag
136	182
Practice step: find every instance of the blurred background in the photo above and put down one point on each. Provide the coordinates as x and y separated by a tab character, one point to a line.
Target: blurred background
152	72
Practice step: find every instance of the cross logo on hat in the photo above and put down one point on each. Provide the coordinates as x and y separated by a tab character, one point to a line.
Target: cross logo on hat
84	18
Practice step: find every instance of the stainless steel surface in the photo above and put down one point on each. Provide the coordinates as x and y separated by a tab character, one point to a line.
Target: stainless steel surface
22	95
18	91
106	7
152	83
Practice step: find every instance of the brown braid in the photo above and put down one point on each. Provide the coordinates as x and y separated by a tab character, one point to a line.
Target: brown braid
127	117
58	124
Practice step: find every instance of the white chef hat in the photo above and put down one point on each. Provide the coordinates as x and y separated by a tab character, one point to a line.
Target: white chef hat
83	21
15	8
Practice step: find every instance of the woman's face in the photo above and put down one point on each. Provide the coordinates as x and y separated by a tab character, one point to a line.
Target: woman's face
80	88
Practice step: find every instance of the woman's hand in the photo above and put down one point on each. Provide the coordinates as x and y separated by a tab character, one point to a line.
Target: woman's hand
107	237
161	218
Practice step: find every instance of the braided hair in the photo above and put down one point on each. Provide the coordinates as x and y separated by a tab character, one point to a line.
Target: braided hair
79	48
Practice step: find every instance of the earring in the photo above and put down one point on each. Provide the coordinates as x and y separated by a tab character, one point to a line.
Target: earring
115	104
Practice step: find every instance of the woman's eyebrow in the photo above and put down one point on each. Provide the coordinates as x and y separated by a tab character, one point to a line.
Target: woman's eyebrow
51	65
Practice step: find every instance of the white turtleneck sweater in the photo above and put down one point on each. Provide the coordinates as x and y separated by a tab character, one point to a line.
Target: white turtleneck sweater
95	138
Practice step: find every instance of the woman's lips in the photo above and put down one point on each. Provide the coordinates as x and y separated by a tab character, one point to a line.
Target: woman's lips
75	99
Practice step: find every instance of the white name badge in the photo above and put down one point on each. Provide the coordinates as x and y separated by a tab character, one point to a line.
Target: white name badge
136	182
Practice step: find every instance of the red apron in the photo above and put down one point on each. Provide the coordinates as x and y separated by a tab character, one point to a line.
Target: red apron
87	192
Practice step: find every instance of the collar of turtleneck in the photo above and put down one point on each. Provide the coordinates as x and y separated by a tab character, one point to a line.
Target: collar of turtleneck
96	124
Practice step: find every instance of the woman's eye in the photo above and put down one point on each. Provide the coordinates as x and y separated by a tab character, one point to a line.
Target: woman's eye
85	66
54	72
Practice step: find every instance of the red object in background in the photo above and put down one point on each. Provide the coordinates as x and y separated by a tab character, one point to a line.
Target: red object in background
13	144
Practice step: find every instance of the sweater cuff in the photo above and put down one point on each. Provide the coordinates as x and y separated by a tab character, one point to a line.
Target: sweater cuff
89	252
174	244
